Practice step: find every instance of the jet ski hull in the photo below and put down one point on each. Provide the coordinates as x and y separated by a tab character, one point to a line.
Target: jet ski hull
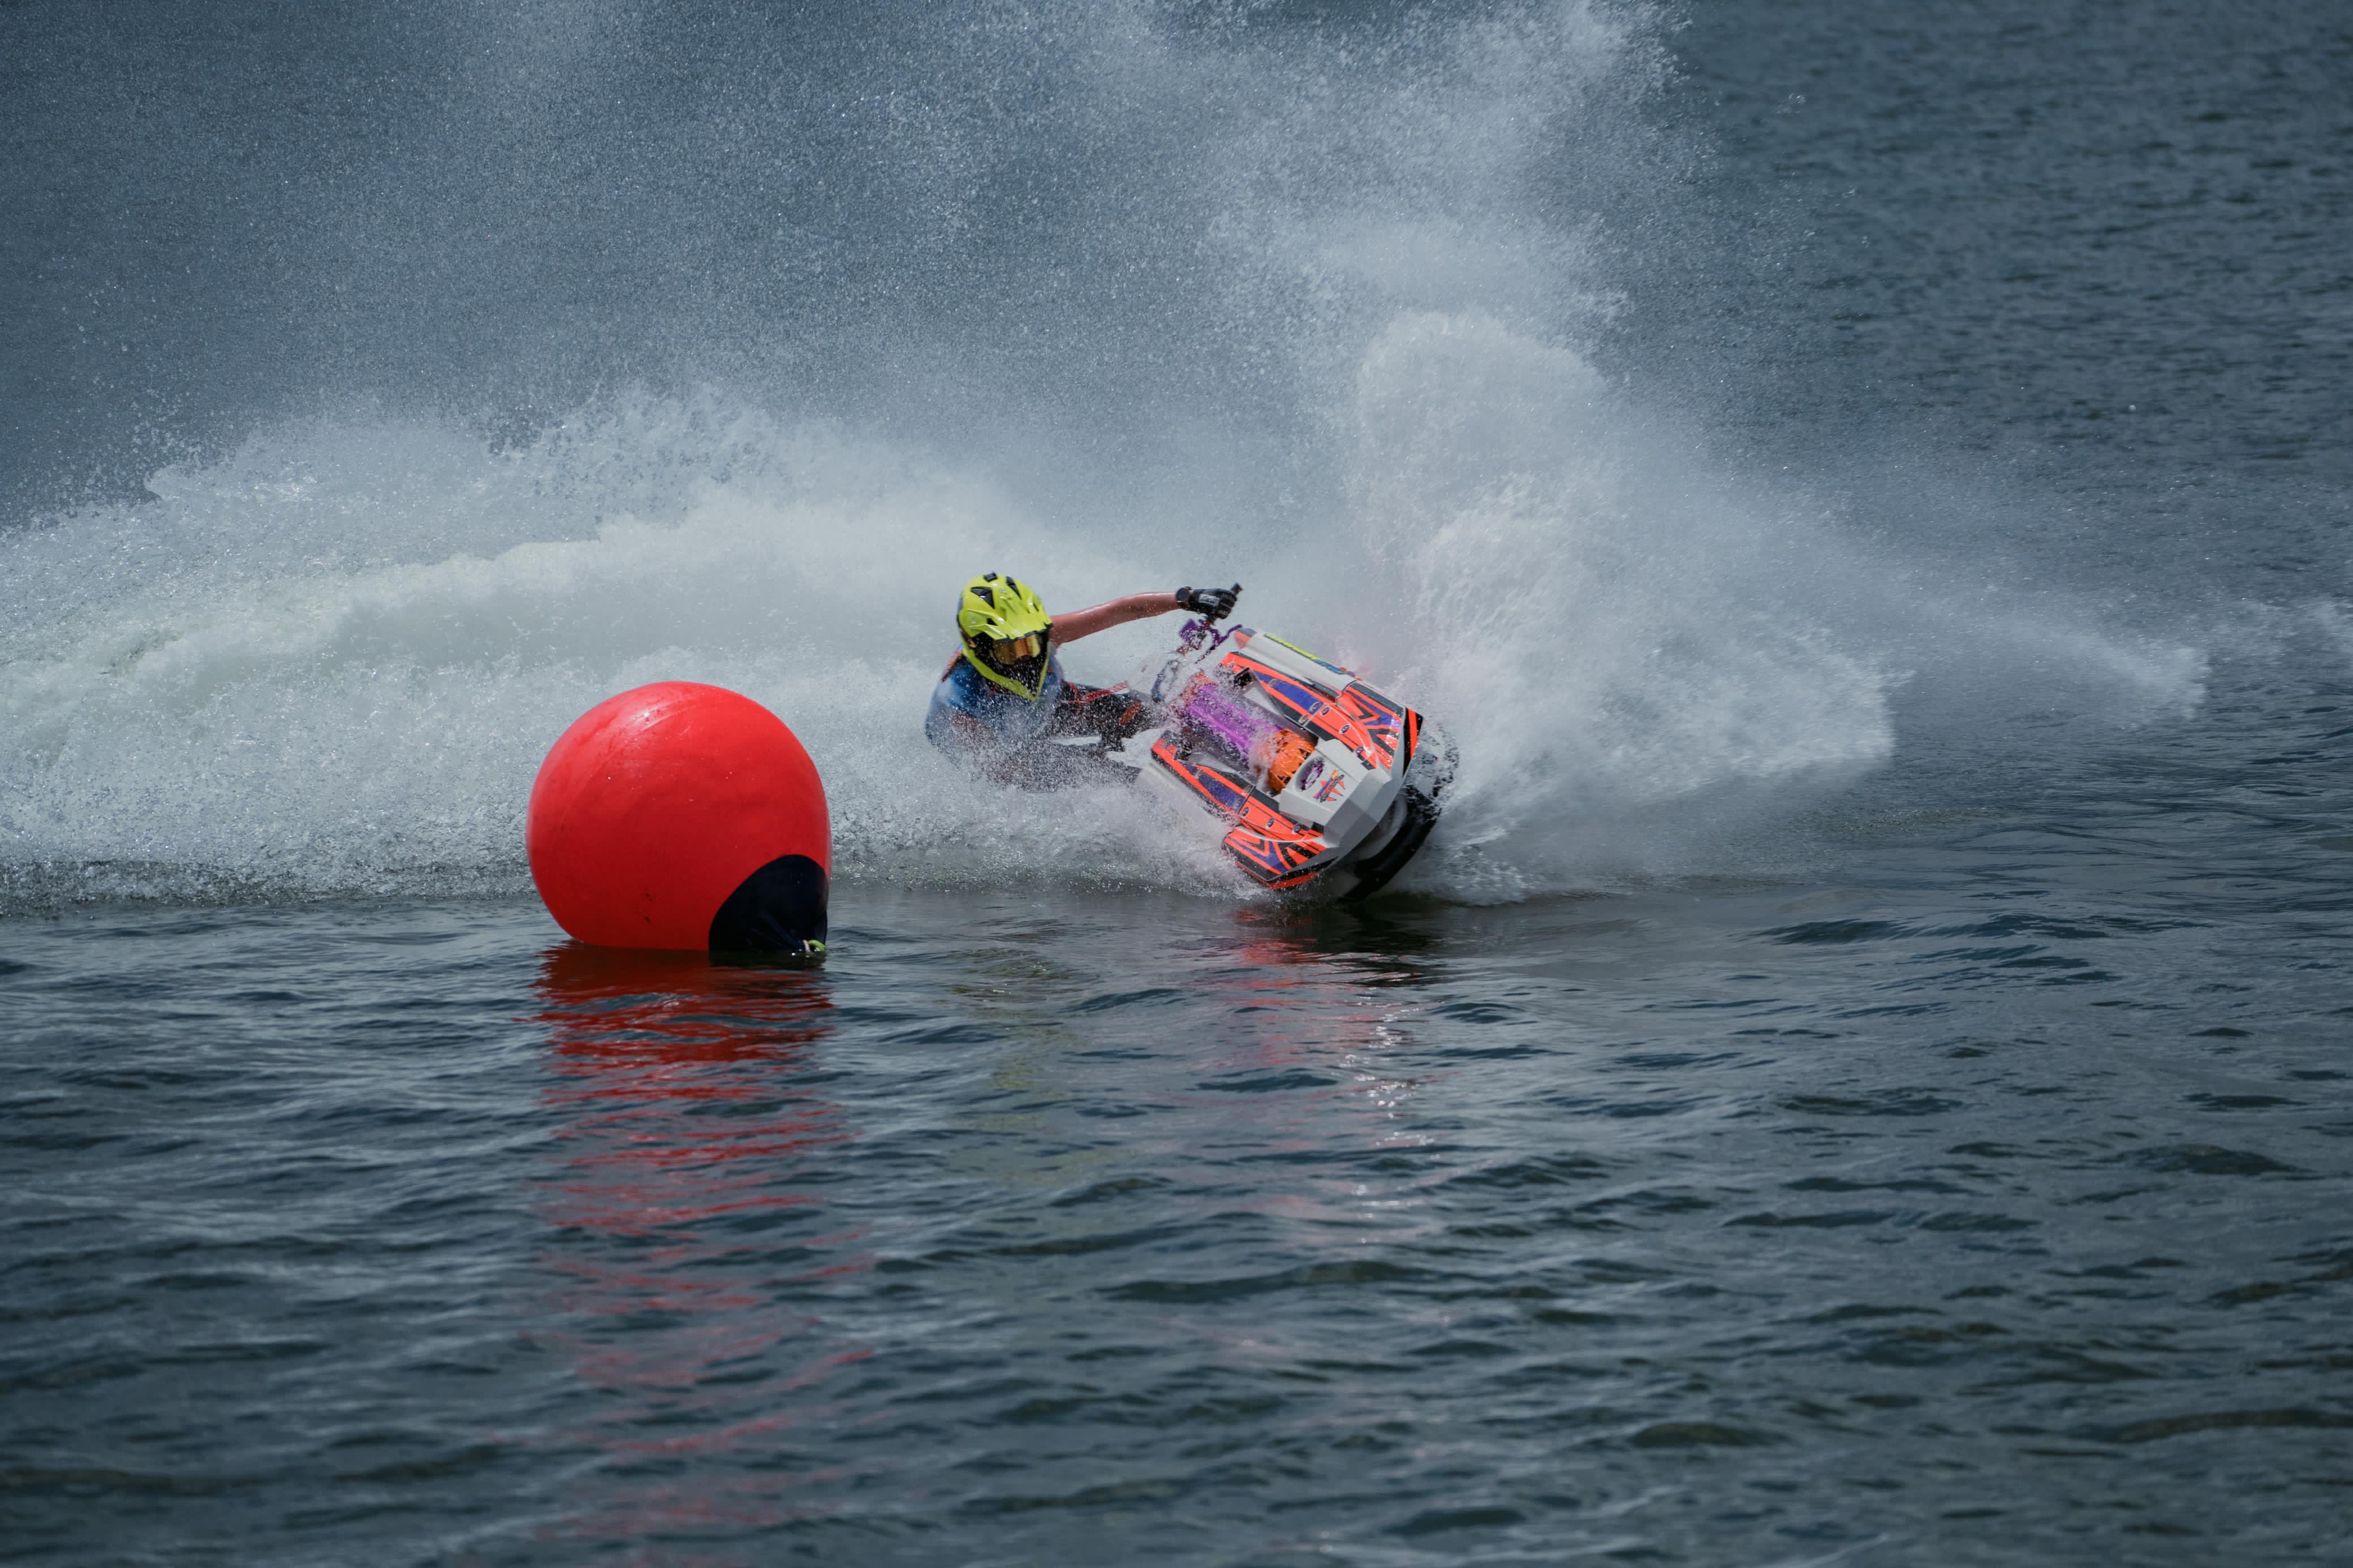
1309	775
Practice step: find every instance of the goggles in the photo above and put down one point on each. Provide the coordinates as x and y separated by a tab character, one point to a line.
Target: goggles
1010	650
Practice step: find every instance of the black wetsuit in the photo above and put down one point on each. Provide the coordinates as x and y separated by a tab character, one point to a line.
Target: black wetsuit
1026	751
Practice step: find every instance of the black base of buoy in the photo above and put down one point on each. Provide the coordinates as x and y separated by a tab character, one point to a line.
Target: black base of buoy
778	908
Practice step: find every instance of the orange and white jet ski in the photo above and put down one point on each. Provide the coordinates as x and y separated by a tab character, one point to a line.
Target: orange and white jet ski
1320	781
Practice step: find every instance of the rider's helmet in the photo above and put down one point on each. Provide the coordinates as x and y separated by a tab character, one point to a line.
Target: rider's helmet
1006	633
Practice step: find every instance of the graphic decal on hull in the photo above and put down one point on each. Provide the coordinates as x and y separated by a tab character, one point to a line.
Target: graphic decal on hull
1277	863
1272	848
1380	718
1378	729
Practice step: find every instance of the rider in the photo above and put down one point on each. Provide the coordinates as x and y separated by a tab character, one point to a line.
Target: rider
1003	697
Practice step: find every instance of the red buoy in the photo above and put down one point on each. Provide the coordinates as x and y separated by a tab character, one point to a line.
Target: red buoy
682	816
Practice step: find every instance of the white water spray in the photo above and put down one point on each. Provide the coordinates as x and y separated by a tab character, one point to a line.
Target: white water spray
330	661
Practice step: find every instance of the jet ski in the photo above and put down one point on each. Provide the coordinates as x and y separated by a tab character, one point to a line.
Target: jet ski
1321	782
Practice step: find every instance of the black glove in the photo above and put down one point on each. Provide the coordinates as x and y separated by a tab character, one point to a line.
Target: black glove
1211	604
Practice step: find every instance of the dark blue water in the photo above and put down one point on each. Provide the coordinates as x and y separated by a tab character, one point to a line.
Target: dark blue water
1934	1225
1861	1075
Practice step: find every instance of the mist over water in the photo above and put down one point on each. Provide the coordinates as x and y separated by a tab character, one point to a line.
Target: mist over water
569	368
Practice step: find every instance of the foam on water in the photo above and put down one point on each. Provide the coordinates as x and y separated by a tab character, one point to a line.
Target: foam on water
332	659
289	673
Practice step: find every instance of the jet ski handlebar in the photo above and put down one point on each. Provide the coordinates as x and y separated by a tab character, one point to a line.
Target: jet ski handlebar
1214	604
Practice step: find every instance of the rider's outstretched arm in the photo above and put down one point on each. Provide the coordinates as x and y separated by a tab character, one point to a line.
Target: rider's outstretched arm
1085	623
1214	602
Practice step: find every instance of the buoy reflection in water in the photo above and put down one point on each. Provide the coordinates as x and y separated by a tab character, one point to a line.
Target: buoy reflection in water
684	1234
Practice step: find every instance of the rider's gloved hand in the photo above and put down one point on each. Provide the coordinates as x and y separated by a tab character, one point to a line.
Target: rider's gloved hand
1211	604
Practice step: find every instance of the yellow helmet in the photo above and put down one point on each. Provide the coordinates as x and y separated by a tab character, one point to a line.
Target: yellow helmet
1006	632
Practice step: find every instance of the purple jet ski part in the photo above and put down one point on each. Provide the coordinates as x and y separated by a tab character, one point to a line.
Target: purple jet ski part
1235	724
